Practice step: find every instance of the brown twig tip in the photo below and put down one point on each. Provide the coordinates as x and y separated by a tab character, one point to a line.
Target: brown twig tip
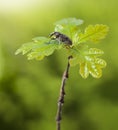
62	94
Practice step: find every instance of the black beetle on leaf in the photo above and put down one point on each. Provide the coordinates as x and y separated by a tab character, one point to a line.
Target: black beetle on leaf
61	38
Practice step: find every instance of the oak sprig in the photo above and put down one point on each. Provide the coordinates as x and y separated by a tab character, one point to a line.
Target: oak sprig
87	58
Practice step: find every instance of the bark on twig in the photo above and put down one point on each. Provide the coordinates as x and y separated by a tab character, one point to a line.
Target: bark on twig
62	94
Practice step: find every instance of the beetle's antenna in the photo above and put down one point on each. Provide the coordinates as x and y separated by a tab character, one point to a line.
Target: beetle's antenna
51	34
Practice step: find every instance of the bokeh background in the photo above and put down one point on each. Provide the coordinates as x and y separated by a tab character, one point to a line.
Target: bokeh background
29	89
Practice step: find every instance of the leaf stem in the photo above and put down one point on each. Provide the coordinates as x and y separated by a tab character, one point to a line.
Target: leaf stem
61	96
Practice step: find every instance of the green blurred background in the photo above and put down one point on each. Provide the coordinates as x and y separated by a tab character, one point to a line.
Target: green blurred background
29	89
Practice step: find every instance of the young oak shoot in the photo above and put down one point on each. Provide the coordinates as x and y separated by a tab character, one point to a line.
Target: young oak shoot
87	58
67	34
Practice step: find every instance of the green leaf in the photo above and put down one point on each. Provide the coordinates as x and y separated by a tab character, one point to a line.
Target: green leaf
92	66
40	48
25	48
88	61
94	33
70	21
69	27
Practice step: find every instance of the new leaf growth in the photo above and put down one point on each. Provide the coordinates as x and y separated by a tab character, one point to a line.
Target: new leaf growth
87	58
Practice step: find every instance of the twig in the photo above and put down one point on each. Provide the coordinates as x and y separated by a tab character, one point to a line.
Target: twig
61	96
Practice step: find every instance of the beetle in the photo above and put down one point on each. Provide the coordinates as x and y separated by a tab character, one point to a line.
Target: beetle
61	38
